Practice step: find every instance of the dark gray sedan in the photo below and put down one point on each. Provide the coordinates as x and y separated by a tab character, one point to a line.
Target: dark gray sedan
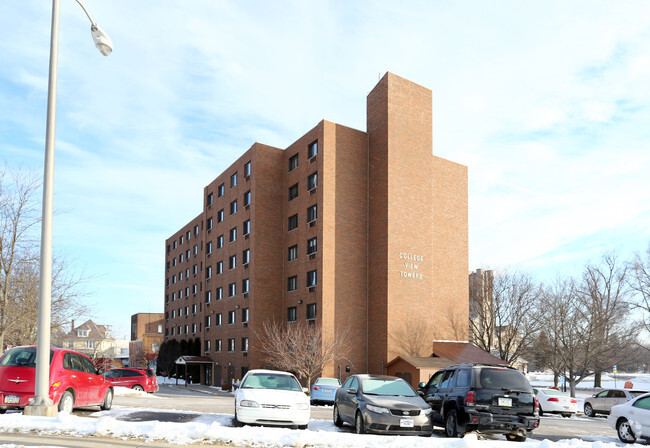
381	404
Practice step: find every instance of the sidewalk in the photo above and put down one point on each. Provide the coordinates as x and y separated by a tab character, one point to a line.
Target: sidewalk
64	441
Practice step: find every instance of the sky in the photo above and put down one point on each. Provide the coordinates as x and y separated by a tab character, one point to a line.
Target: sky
546	102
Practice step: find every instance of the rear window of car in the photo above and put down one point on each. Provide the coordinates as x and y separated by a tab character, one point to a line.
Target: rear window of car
387	387
500	378
328	381
636	393
553	392
21	357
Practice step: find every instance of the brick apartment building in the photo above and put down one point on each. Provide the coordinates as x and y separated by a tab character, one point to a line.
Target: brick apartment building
342	228
146	337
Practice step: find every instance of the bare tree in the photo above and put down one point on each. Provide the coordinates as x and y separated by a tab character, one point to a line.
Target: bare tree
639	282
302	348
19	264
504	317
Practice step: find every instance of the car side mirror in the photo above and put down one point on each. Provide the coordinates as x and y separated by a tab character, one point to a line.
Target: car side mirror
422	385
352	391
305	390
99	371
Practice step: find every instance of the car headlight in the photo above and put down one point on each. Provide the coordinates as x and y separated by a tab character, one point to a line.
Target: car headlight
428	411
377	409
249	404
302	406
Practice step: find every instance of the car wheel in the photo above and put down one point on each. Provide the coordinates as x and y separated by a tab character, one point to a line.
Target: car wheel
302	426
625	433
541	411
108	401
236	423
3	411
67	402
359	425
589	410
451	424
138	388
516	437
337	417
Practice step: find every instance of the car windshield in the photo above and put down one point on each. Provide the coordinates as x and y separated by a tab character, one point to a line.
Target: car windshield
636	393
388	387
502	378
328	382
21	357
271	381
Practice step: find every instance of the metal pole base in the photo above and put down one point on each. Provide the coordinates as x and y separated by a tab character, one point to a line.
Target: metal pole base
41	410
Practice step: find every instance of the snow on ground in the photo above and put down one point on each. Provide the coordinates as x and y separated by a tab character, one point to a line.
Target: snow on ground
321	433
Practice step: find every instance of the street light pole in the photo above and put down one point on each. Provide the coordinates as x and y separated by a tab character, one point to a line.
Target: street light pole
41	404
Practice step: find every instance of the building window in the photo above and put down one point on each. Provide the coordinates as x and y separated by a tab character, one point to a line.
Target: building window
175	244
209	224
244	285
82	333
208	296
174	262
180	258
231	345
208	272
293	192
233	207
244	315
233	234
196	249
208	321
195	269
193	328
293	222
293	252
219	241
231	317
247	227
292	314
292	283
293	162
90	344
210	199
312	181
194	308
312	149
194	289
219	293
173	314
244	344
187	329
173	297
220	215
232	289
217	345
312	213
208	247
180	293
181	240
207	345
311	311
233	180
247	169
180	276
312	245
311	278
219	267
187	254
232	262
187	310
196	231
217	320
246	256
189	233
221	189
247	198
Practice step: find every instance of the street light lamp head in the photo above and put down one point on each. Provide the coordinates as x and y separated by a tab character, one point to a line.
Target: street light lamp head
103	43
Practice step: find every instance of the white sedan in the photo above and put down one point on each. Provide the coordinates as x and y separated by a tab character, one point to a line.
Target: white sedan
632	419
553	401
271	397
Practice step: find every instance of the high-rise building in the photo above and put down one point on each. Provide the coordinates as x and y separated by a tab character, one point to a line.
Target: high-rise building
344	228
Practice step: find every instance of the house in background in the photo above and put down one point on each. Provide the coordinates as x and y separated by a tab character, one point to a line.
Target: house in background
94	341
146	337
415	370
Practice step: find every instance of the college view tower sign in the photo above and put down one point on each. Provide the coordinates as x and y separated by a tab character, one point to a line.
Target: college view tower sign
344	228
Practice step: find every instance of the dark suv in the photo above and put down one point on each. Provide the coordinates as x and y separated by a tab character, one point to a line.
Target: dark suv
491	399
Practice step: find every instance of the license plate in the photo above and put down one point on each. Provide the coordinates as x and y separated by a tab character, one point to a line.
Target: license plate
12	399
406	423
327	391
505	401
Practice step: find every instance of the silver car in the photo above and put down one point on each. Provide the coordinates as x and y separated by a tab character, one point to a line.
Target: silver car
381	404
602	402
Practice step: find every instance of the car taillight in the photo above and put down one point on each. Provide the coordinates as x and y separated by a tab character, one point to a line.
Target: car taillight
553	399
316	387
536	406
573	400
470	398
